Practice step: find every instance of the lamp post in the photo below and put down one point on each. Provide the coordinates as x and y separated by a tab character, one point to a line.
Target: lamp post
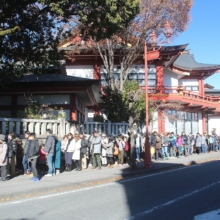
150	56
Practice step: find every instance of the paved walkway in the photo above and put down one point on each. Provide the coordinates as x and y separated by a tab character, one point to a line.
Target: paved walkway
21	186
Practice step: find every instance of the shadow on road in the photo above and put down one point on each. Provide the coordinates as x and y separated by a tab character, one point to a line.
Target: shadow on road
155	185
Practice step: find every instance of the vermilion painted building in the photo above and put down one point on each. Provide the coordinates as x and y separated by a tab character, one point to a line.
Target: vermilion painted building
174	77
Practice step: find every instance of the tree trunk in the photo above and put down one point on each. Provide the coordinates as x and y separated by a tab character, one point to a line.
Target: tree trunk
132	143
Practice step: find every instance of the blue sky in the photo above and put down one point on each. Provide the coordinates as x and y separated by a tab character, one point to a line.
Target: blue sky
203	35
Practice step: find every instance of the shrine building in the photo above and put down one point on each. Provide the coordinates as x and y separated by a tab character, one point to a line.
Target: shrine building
176	77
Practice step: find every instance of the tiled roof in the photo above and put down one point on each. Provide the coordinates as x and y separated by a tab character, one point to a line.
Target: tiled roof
186	61
53	78
212	90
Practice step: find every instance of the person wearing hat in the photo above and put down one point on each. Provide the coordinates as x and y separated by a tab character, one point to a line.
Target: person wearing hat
3	157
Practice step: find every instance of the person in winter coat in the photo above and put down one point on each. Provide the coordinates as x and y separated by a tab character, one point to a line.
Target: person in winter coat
165	142
203	143
138	146
95	150
211	143
49	149
127	150
25	162
3	157
179	145
185	143
12	148
191	143
32	155
57	155
158	147
76	145
103	142
83	151
42	160
172	145
69	152
153	140
109	152
198	143
64	143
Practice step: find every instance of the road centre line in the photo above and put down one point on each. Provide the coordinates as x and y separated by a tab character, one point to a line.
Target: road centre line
172	201
90	188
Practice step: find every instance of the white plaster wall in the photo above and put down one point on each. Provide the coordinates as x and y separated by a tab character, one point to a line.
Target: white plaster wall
214	122
85	71
188	82
169	125
200	123
188	128
170	79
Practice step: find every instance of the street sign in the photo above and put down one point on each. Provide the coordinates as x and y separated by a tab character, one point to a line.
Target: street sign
153	55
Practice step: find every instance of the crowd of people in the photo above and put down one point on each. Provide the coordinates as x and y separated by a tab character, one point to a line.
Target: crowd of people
168	145
73	152
78	152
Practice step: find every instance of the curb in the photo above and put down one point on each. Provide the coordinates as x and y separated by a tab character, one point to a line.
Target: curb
71	186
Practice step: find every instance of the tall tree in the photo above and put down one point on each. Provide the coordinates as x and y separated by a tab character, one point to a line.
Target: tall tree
128	43
30	29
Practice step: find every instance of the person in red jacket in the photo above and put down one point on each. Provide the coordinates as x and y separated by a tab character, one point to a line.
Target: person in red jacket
42	160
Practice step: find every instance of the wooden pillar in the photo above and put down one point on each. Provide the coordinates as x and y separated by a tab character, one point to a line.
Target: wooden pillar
203	122
159	77
202	87
73	113
161	122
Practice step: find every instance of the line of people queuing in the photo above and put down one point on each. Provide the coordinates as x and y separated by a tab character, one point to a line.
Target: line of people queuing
73	152
77	152
32	158
166	145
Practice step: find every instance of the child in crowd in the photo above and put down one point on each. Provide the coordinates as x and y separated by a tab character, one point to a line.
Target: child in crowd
42	160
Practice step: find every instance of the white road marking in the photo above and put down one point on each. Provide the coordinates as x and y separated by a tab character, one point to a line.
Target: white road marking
88	188
214	215
172	201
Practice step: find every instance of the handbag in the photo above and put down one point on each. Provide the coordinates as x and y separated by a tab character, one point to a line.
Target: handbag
116	151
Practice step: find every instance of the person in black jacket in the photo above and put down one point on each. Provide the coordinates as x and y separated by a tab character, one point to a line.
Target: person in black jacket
32	155
12	148
83	151
153	141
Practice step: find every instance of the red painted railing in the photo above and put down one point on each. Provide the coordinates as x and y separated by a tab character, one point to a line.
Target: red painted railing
183	92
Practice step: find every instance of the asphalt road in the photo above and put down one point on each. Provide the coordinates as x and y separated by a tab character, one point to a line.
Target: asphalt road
178	194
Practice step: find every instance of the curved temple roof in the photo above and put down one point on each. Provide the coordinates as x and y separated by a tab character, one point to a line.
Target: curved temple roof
186	61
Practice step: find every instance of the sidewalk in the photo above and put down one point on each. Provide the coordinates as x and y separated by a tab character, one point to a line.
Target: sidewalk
21	186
